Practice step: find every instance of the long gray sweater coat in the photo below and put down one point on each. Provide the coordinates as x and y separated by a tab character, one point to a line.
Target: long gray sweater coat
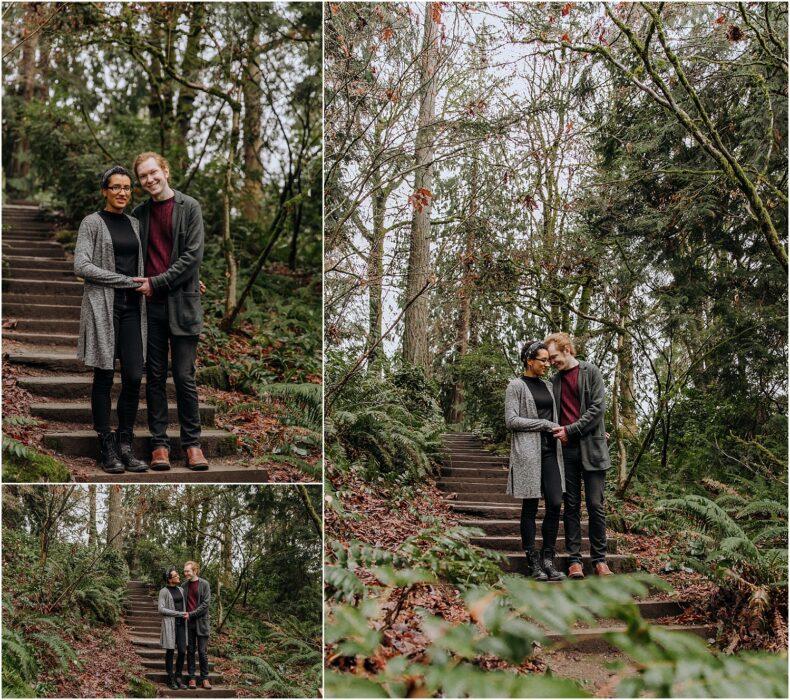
521	418
167	609
94	261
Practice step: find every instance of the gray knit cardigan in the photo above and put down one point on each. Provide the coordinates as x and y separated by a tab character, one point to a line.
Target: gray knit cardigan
94	261
521	417
167	609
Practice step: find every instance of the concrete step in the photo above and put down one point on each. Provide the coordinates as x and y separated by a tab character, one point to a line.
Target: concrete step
159	664
512	543
63	361
474	473
81	413
54	326
59	311
219	472
161	677
593	638
83	443
143	627
30	273
619	563
493	496
472	462
43	339
46	299
44	249
76	387
57	288
32	262
217	691
511	527
487	510
496	484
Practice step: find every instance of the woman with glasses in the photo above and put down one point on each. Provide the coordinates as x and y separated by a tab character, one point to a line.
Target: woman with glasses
173	635
108	255
535	458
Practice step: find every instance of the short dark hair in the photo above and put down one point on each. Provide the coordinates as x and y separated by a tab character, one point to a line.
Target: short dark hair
530	350
115	170
169	572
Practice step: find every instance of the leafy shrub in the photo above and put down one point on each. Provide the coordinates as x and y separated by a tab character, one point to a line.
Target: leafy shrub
745	556
388	422
32	644
485	372
508	620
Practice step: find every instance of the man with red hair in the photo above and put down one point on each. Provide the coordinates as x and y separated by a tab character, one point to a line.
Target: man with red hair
171	232
581	400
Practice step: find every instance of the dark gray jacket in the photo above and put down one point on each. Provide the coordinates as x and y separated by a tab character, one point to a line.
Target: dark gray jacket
200	614
181	279
590	427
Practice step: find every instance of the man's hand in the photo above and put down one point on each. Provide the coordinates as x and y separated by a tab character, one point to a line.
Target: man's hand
561	434
202	287
186	615
145	286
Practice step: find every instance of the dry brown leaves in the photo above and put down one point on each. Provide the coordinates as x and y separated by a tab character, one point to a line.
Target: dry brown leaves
107	660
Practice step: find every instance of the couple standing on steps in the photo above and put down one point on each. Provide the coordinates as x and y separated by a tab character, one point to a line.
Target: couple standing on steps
141	304
558	442
185	625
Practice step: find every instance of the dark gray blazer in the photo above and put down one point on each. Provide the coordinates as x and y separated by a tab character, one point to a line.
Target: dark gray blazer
181	279
201	613
590	427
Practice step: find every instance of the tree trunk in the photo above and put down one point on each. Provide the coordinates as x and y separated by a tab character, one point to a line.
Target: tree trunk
252	195
20	163
93	536
296	227
465	291
185	105
376	255
115	518
415	320
231	266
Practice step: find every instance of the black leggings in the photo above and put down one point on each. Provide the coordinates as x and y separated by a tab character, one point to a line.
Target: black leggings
129	350
551	485
181	644
179	667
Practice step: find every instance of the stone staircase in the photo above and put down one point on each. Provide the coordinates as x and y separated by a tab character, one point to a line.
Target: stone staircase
41	310
145	624
475	481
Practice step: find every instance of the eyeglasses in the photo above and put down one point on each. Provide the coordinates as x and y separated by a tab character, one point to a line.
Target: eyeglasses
545	361
115	189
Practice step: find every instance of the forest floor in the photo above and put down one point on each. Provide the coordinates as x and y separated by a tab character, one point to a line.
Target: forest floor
107	663
384	517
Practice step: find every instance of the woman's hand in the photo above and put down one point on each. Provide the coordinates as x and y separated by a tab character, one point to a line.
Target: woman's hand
145	286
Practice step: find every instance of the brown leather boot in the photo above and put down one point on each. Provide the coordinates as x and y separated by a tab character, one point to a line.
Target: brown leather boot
195	459
160	459
206	684
602	569
575	571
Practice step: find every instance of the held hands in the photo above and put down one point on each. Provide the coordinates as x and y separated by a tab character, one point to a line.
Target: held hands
186	615
561	434
145	286
146	289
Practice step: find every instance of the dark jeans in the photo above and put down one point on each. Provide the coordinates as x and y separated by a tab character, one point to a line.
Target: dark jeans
182	350
551	485
200	644
181	646
129	350
594	485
